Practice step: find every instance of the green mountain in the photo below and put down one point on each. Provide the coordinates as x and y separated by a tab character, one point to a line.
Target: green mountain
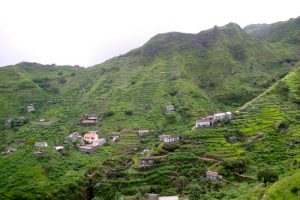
224	68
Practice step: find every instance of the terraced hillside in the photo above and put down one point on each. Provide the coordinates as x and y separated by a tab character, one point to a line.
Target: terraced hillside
220	69
267	138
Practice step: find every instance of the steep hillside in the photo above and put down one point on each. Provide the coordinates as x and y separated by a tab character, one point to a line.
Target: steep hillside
260	31
287	31
267	137
215	70
285	36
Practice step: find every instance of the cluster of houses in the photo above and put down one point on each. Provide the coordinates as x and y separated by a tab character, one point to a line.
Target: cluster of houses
90	140
209	121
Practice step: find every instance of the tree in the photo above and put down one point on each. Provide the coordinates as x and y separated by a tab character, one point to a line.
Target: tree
235	166
196	192
180	182
267	176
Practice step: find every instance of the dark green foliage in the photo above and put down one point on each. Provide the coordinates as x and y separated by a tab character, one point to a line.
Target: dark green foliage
295	190
128	112
108	114
235	166
61	80
283	88
267	176
196	192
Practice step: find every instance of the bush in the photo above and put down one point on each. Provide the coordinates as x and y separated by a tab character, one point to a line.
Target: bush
267	176
62	80
108	114
283	88
295	190
128	112
235	166
196	192
173	92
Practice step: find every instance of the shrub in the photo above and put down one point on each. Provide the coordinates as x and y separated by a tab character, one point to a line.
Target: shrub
267	176
283	88
196	192
108	114
173	92
295	190
62	80
128	112
235	166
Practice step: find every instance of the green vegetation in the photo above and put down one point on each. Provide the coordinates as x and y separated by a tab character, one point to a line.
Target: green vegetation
221	69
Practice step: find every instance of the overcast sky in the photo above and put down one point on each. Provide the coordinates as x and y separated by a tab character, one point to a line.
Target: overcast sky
88	32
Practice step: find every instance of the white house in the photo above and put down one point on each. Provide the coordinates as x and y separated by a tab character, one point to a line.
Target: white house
220	116
204	122
213	175
142	132
169	198
99	142
41	144
30	108
90	137
170	108
91	117
169	138
157	197
59	148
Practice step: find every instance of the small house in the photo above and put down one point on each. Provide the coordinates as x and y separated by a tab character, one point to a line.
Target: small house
41	144
157	197
232	139
91	147
89	120
168	198
204	122
90	137
142	132
153	196
169	138
8	123
114	137
147	161
8	151
99	142
73	137
126	131
30	108
169	108
59	148
213	175
38	153
220	116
